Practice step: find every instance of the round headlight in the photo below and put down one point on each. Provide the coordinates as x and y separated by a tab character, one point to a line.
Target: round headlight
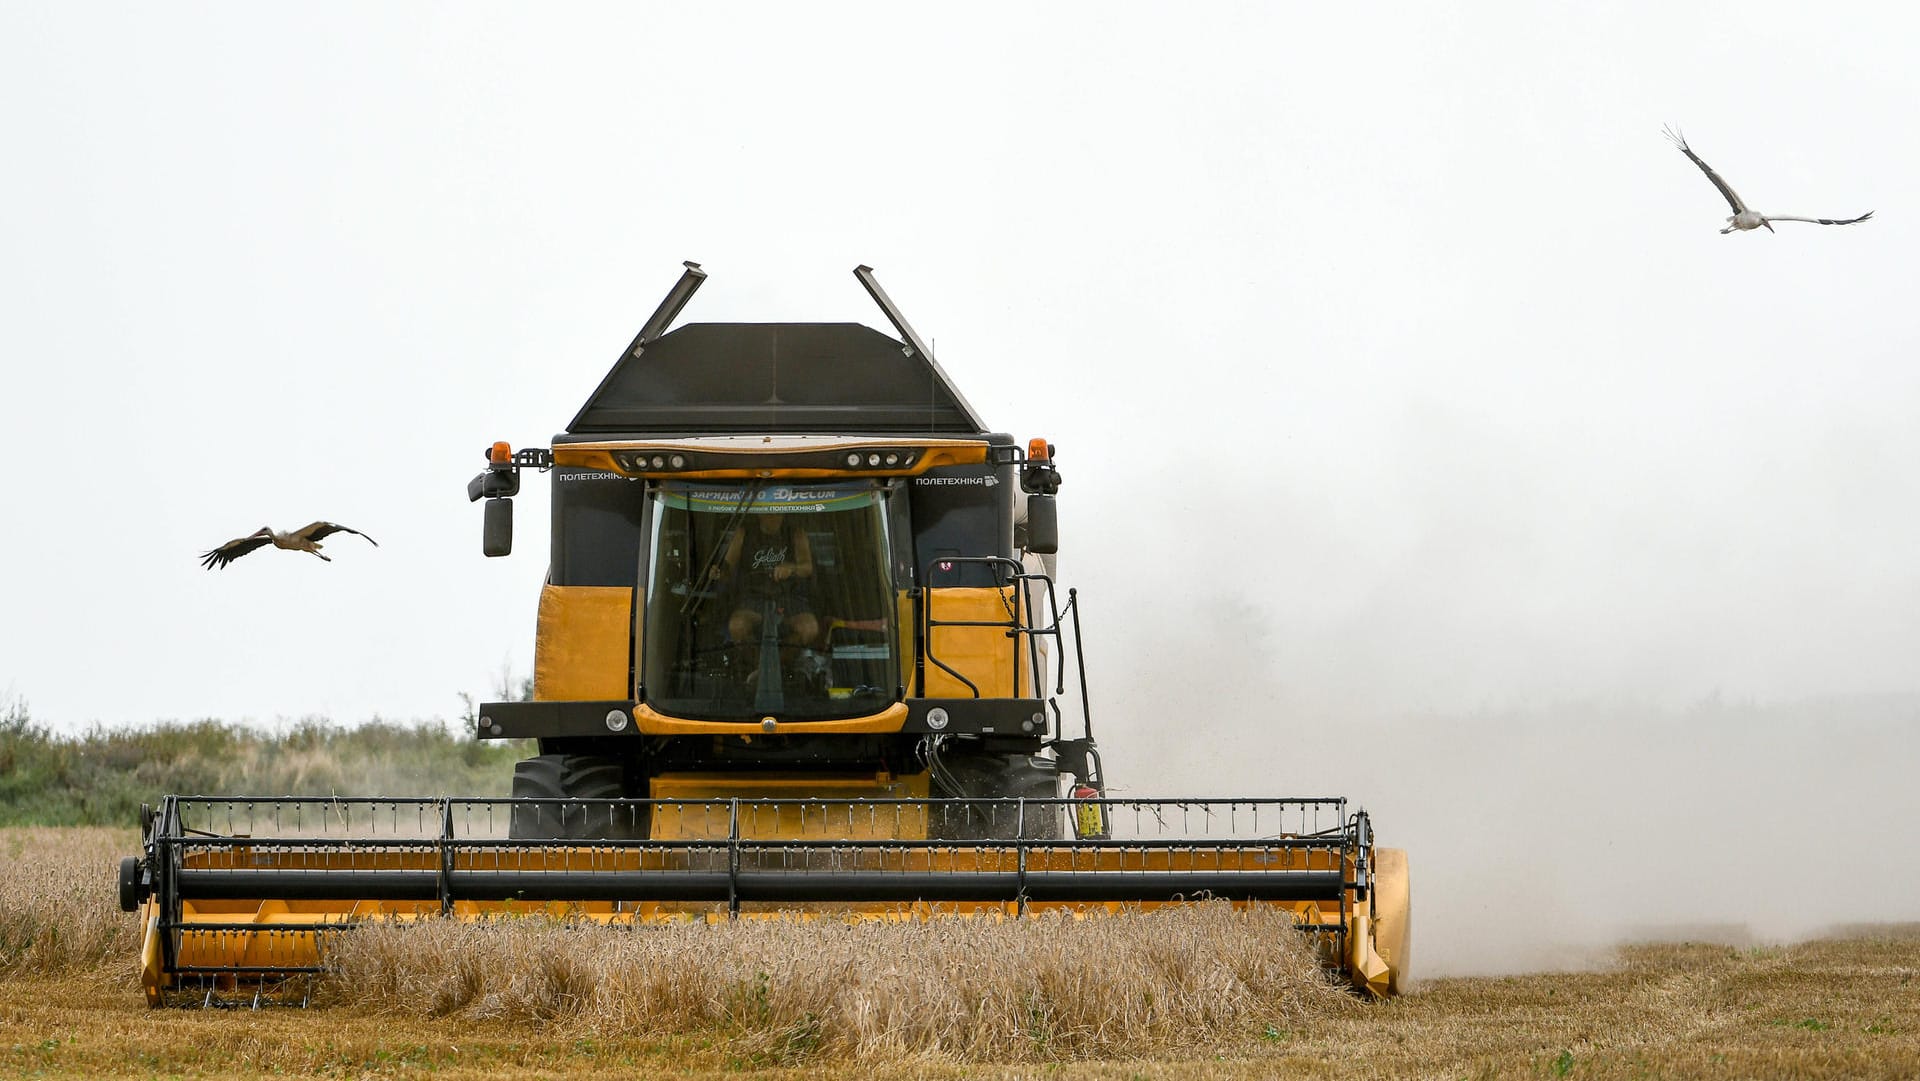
874	458
679	461
616	720
854	458
893	459
659	462
937	718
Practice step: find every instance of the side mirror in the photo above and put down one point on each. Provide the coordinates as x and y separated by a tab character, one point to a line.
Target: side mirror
496	531
1043	525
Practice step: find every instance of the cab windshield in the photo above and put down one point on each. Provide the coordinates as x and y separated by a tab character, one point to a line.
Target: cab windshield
769	599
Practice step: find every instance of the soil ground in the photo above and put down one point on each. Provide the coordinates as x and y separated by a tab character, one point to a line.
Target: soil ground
1845	1007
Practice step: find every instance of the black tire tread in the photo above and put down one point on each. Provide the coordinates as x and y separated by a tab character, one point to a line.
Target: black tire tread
573	776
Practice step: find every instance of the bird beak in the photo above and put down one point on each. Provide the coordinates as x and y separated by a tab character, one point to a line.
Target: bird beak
1768	224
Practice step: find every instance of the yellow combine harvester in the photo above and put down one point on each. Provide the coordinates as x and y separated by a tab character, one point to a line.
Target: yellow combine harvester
799	650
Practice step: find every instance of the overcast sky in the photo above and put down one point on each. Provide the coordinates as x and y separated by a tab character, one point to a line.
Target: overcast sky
1409	401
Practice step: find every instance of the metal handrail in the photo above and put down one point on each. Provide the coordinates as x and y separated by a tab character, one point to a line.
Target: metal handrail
1028	632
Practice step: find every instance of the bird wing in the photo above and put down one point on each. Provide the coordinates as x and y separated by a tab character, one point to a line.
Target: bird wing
316	530
1726	189
1821	221
234	549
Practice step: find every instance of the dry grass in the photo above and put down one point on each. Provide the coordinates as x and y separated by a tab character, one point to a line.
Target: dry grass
998	991
1175	995
59	910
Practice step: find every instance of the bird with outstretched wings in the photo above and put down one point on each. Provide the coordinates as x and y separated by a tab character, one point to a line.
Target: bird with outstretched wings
1744	218
305	539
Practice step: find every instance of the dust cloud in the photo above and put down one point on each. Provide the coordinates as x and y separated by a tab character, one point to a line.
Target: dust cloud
1584	732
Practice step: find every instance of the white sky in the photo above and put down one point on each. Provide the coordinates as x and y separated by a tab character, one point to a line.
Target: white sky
1397	366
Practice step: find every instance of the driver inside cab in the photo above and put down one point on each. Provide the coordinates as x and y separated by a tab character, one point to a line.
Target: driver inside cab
770	566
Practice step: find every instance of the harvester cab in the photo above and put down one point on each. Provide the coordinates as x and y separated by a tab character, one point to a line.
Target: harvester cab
799	646
789	560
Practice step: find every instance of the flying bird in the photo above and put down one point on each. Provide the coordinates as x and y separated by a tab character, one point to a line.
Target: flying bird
1743	218
305	539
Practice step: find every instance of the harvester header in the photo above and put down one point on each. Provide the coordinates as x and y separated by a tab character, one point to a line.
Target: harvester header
798	648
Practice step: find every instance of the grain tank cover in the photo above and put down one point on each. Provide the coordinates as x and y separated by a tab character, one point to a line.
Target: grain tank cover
773	377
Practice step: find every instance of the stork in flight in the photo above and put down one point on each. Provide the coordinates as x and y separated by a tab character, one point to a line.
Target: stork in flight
1743	218
305	539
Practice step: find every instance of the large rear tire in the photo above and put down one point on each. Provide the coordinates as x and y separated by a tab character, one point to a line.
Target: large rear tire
574	777
987	781
1393	917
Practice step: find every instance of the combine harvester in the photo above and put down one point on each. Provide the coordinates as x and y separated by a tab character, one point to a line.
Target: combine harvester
799	651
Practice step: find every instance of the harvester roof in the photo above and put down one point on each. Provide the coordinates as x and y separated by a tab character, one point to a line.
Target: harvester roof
773	377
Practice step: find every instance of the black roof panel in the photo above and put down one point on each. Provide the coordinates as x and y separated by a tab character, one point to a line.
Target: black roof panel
773	377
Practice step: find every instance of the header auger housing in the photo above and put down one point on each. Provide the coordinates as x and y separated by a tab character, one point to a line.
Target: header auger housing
799	647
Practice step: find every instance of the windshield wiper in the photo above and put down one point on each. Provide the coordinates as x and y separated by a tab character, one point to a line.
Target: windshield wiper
697	589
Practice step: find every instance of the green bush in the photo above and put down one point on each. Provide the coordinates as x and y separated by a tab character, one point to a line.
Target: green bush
102	777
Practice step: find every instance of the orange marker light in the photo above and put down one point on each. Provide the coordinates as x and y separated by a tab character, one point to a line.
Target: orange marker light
1038	450
501	453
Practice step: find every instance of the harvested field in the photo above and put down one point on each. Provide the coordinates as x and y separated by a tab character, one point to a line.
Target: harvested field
1189	994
